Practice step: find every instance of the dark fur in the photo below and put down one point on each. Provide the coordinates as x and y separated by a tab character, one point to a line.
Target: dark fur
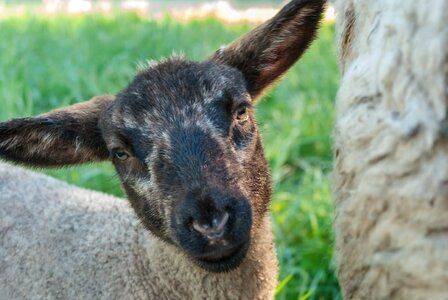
273	46
183	138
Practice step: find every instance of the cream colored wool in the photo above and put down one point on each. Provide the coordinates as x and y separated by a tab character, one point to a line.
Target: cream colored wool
391	149
62	242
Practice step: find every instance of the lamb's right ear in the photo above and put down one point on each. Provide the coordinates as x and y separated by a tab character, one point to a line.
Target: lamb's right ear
267	51
61	137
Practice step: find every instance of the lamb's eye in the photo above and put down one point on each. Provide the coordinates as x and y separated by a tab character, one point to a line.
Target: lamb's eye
120	154
242	114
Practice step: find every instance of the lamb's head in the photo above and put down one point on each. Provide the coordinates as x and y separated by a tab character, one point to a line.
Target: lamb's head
185	144
183	139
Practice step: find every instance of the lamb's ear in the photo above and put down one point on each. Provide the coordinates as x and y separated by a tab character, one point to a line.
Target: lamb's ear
266	52
64	136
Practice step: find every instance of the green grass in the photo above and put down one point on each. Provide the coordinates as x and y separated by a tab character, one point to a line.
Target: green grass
51	62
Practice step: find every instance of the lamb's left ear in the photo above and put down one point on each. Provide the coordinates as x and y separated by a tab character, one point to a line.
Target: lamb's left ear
61	137
266	52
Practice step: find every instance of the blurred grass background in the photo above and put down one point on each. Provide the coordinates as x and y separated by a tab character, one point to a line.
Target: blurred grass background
49	62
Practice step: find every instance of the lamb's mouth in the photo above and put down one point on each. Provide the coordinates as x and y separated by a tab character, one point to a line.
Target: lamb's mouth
225	262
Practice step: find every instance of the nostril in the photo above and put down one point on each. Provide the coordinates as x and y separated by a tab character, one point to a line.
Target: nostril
201	228
215	231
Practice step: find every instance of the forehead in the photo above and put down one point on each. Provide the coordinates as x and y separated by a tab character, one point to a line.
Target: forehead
176	85
171	97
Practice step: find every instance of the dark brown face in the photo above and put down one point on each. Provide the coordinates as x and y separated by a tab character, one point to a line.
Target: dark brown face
186	146
183	138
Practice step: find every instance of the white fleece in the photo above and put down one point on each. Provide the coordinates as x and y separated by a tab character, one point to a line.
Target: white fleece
391	149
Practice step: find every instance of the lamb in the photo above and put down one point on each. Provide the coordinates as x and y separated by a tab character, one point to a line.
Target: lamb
184	141
71	243
391	150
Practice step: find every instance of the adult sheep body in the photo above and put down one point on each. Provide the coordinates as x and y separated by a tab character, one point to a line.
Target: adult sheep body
391	149
187	149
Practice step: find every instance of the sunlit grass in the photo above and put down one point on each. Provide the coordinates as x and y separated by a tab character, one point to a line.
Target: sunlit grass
51	62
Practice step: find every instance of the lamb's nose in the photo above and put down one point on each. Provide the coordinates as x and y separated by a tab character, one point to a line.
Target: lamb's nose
215	231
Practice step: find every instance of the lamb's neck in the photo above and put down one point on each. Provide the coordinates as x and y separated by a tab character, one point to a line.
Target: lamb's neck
169	274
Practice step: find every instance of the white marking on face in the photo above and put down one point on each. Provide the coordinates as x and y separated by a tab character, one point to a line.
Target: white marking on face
115	118
136	94
130	122
166	139
210	96
208	100
141	186
196	107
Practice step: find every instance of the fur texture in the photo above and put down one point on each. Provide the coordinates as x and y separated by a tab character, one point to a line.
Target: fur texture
391	149
91	246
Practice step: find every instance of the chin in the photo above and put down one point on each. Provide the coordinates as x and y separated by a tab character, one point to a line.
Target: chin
225	263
